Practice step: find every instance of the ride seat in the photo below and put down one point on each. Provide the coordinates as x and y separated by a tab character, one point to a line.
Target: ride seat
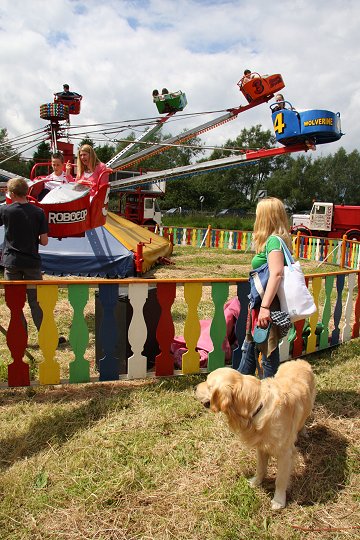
260	86
170	102
65	193
72	101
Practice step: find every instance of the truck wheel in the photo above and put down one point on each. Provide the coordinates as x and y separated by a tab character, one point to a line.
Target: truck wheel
301	230
353	235
151	224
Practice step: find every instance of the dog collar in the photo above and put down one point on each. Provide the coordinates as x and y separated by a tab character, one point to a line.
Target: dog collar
258	410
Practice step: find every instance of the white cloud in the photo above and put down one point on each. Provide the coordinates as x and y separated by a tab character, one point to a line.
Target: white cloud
115	52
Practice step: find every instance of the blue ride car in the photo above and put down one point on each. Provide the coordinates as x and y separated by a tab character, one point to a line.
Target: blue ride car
318	126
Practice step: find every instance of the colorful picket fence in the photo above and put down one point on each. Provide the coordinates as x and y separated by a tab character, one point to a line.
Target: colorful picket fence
338	251
208	237
342	252
337	321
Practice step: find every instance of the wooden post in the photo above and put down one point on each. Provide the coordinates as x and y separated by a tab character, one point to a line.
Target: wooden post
208	237
297	248
343	251
139	258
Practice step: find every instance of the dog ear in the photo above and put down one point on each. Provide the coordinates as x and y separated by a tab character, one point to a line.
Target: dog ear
221	398
246	396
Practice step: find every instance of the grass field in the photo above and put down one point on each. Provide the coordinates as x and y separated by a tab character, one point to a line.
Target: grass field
237	223
144	460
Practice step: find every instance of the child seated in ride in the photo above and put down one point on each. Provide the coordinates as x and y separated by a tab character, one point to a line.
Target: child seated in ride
247	77
90	169
281	104
58	177
66	94
164	92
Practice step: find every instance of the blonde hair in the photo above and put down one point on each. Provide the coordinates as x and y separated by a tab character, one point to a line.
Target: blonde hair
18	186
271	219
93	161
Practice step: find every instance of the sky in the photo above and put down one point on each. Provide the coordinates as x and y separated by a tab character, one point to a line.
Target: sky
115	52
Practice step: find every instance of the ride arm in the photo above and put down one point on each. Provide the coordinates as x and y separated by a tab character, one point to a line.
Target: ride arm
129	149
208	166
186	135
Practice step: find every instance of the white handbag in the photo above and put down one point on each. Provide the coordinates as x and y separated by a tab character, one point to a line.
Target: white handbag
295	298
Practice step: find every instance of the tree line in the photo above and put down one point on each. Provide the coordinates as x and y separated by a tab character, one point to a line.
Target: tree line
296	179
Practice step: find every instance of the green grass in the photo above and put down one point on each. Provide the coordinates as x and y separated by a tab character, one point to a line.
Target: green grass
189	261
237	223
146	460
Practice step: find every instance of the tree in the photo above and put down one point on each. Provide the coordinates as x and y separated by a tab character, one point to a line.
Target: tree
235	187
5	146
105	152
352	191
9	160
301	180
87	140
42	154
293	181
341	177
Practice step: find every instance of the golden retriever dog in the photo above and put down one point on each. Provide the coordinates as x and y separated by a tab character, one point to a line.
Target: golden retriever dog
266	414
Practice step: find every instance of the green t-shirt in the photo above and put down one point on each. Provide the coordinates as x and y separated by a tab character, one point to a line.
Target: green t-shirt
272	244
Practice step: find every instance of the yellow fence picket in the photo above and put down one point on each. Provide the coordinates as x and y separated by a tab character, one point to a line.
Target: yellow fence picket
191	359
49	369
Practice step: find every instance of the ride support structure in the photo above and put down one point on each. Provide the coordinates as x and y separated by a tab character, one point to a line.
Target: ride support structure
210	166
73	211
136	190
259	90
59	111
139	203
129	149
119	162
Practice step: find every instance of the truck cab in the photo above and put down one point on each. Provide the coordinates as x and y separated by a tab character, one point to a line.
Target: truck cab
327	219
139	206
152	212
321	216
319	219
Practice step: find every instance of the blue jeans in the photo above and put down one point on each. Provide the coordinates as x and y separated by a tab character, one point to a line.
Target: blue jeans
248	362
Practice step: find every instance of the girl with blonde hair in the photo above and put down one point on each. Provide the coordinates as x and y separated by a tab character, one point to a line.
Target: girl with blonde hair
271	223
271	219
91	172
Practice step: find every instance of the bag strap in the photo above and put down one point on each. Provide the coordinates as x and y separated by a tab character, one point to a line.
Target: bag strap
287	254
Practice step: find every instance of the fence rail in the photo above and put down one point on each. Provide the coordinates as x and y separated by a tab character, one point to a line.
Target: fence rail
342	252
136	342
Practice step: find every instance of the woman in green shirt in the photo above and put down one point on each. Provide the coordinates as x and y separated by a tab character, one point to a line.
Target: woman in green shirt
271	221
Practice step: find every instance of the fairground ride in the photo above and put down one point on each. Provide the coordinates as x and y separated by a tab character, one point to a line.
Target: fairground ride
76	212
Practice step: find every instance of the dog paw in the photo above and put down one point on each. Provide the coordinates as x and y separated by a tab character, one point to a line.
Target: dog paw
254	481
277	505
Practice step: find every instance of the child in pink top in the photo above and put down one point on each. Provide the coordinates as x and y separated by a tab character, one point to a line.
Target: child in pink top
89	169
